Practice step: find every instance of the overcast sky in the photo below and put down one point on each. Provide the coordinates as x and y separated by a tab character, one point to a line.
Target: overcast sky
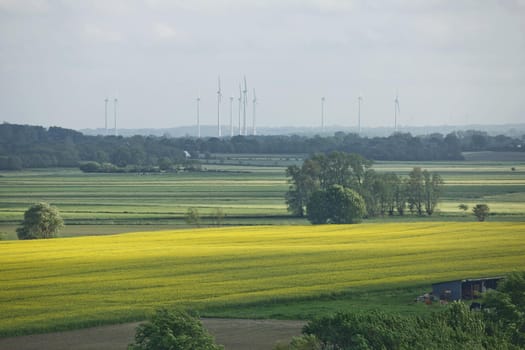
451	62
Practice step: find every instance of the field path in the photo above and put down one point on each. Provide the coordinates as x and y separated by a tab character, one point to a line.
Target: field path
234	334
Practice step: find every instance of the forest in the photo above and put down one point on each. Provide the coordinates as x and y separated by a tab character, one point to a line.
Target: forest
25	146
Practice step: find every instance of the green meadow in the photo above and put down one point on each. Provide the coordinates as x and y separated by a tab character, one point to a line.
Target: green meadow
247	194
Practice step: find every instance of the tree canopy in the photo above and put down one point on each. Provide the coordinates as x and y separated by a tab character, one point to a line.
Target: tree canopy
382	193
337	205
41	220
26	146
172	330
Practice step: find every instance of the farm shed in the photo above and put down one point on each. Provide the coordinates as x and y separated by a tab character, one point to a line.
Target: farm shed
466	289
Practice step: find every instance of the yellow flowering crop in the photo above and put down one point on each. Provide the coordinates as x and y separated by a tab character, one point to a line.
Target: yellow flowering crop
73	282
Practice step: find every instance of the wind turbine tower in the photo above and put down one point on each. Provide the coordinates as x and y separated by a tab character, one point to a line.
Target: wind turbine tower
322	113
359	99
198	117
231	116
219	96
397	111
115	102
240	107
106	115
244	102
254	120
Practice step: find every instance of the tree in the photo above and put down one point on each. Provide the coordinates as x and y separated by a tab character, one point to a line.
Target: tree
218	216
192	217
423	191
505	307
415	191
463	207
454	328
336	205
481	211
41	220
303	184
321	172
172	330
433	188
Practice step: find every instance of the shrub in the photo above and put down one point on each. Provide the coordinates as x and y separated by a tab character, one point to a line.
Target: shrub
172	330
41	220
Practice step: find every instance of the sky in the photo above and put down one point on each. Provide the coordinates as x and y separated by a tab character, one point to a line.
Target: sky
450	62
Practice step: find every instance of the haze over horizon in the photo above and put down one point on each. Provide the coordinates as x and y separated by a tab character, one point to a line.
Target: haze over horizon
451	62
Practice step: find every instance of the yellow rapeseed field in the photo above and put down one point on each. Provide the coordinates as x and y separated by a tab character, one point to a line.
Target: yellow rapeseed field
73	282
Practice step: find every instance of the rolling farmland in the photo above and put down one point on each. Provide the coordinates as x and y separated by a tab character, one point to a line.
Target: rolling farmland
76	282
249	194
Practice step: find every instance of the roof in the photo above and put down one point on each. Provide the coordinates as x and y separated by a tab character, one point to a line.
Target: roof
472	280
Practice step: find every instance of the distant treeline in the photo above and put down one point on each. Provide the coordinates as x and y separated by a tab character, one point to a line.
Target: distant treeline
24	146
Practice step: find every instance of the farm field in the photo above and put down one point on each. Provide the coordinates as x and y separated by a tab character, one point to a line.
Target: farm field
247	194
77	282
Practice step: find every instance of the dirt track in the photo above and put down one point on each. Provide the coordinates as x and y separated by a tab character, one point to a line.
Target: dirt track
232	333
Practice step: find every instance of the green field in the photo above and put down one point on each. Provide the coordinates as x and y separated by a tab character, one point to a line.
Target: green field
248	194
83	281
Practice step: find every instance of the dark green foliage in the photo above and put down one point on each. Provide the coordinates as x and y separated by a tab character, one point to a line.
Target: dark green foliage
306	342
481	211
318	210
304	181
423	191
321	172
433	185
383	194
23	146
336	205
40	221
463	207
415	191
505	307
455	328
192	217
172	330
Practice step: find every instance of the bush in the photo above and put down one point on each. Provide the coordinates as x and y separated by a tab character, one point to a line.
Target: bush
41	220
172	330
454	328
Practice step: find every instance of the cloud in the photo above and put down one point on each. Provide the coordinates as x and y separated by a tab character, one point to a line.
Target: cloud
100	34
164	31
24	6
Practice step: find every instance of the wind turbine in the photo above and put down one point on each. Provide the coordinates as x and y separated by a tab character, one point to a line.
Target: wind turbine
231	116
106	115
322	113
244	102
115	101
240	107
219	96
254	120
198	117
397	111
359	99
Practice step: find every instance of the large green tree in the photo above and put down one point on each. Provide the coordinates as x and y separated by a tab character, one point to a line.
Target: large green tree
433	189
415	191
303	182
173	330
423	191
321	172
505	306
41	220
481	211
337	205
